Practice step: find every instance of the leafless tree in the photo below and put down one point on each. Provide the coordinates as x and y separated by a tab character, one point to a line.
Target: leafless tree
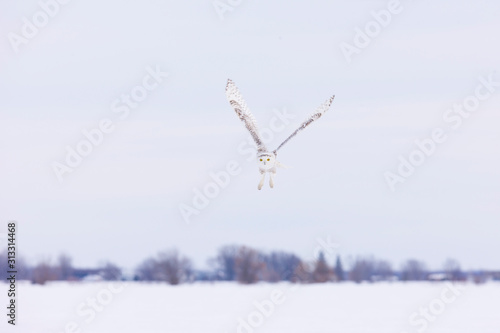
44	272
3	265
414	270
302	273
172	267
452	269
225	262
362	270
147	270
111	272
65	269
280	266
168	266
383	270
248	265
23	271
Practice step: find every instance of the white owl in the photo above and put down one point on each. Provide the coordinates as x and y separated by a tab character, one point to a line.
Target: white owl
266	159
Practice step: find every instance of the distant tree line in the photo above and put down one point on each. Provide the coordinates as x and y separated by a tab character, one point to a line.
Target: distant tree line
60	270
247	266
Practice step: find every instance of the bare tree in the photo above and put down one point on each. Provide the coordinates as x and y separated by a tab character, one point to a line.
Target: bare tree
168	266
23	271
362	270
65	268
172	267
321	273
279	266
302	273
3	265
225	262
452	269
383	270
44	272
111	272
147	270
414	270
248	265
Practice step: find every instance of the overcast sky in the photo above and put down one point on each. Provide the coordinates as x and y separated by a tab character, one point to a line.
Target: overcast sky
122	202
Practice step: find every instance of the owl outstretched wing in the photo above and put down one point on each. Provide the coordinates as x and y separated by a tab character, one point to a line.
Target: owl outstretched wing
315	116
238	103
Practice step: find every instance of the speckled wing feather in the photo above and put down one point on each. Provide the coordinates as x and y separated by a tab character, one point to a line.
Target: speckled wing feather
238	103
315	116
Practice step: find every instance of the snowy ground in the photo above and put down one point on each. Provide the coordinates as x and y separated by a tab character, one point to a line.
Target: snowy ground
278	308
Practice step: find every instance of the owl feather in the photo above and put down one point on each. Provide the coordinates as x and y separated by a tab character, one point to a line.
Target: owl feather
239	105
315	116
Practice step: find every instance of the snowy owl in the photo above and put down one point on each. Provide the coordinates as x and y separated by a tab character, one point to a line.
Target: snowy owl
266	160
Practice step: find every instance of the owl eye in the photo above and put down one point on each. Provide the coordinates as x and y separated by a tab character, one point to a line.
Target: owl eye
268	159
261	159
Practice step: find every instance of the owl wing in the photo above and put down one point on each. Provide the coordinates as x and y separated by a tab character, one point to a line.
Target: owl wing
238	103
315	116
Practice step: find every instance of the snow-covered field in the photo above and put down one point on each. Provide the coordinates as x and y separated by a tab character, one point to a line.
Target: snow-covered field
278	308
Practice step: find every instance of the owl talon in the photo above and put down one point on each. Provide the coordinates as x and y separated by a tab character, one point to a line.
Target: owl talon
262	181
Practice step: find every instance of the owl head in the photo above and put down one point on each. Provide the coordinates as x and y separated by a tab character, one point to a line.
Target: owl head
266	160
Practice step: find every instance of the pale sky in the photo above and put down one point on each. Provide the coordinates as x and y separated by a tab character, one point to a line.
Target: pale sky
122	202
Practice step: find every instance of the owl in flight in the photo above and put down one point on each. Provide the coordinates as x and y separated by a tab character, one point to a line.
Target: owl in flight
266	159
